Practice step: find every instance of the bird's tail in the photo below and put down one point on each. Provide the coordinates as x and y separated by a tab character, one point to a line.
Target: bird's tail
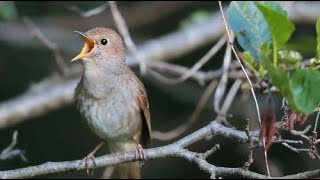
126	170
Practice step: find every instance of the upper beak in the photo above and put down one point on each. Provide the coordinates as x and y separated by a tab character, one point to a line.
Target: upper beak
87	47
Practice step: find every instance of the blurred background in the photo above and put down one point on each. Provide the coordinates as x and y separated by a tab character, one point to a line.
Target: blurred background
61	135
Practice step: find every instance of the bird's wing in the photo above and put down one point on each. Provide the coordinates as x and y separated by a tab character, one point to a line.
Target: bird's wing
144	108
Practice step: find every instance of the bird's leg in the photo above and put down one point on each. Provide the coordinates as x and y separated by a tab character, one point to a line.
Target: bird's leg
140	152
91	157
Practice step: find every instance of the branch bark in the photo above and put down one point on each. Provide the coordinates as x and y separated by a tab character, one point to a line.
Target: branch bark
176	149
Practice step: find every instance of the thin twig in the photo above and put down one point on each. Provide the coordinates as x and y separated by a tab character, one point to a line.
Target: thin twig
229	98
10	153
288	141
223	80
178	131
317	118
89	13
301	133
248	163
297	150
35	31
251	88
196	66
123	29
211	151
200	76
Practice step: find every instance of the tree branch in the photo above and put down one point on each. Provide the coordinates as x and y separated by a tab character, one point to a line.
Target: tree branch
35	31
176	149
9	152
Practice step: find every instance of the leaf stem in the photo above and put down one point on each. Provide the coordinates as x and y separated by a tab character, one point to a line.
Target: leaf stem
316	123
274	52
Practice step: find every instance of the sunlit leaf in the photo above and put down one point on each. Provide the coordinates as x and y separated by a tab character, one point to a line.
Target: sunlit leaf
301	88
249	26
278	22
305	86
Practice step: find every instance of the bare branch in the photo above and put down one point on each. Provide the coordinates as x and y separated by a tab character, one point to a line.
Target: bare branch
224	78
228	101
178	131
9	152
35	31
200	76
316	121
89	13
49	94
123	29
176	149
210	151
250	156
196	66
288	141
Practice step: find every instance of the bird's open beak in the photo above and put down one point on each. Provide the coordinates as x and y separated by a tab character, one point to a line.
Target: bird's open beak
87	47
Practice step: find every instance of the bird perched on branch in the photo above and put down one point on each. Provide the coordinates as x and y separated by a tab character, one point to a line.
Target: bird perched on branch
111	98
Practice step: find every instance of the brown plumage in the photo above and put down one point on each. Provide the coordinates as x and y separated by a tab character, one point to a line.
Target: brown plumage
110	97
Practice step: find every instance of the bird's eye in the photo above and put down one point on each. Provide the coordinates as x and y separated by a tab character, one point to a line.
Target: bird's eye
104	41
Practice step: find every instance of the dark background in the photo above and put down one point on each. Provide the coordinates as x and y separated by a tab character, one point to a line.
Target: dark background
61	135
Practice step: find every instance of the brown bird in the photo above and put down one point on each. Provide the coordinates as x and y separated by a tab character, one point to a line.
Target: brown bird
111	98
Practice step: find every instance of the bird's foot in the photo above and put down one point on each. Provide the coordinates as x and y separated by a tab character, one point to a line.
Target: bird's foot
141	154
89	157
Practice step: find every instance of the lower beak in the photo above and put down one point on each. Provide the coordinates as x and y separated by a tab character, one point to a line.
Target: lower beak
87	47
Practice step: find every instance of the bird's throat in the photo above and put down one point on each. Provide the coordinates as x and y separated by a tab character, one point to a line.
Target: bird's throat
100	80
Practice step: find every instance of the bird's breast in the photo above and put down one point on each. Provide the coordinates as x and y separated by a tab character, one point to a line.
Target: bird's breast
114	116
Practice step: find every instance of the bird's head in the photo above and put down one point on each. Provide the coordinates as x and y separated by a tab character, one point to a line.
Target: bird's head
100	45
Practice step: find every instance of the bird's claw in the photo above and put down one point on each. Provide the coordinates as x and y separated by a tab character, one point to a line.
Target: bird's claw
86	160
140	154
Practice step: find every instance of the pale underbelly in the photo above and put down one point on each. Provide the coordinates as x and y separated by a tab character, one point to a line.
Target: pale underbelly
110	120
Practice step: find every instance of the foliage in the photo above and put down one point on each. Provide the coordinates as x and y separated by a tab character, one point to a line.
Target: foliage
8	10
196	16
262	28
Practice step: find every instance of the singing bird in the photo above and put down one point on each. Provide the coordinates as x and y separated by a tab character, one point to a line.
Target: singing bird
111	98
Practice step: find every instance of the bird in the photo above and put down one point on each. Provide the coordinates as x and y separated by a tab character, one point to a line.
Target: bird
112	99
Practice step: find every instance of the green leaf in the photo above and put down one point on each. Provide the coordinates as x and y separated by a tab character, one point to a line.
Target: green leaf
280	25
305	85
249	26
301	88
318	38
280	79
304	44
273	5
197	16
257	69
8	10
250	62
